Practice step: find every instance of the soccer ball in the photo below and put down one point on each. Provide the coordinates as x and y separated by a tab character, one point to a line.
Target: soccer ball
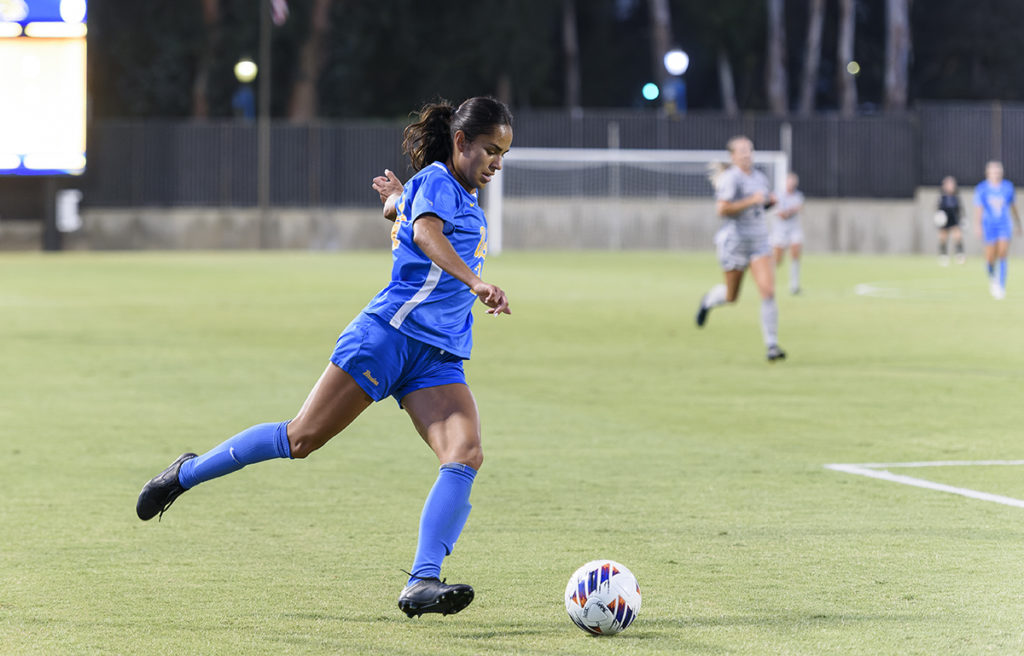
602	597
940	219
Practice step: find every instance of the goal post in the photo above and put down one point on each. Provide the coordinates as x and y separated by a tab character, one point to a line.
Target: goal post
608	175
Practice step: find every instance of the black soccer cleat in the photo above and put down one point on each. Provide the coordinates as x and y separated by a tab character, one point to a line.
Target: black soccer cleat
775	353
434	596
702	313
159	493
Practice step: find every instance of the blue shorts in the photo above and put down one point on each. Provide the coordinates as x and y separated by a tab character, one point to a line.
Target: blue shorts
994	231
384	362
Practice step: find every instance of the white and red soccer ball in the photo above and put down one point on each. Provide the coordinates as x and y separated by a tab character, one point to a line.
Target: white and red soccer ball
602	597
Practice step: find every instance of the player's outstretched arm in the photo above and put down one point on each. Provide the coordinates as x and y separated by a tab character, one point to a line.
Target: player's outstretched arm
1016	218
390	189
428	234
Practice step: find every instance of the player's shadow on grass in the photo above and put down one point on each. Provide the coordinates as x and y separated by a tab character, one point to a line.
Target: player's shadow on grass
780	619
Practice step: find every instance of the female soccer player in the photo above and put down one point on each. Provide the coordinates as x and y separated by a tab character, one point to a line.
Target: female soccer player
742	193
949	205
993	201
408	342
786	230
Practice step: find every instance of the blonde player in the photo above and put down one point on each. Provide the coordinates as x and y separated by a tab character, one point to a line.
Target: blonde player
742	194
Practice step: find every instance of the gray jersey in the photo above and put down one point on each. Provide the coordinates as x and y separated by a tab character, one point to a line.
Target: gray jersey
787	231
733	185
789	201
743	237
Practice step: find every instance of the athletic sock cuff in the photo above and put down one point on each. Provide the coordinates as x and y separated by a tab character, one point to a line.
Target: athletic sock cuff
284	448
460	469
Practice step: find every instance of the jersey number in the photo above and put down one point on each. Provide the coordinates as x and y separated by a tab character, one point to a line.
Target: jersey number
394	231
481	250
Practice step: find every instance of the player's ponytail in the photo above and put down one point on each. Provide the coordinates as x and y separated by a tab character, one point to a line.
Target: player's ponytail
715	171
430	139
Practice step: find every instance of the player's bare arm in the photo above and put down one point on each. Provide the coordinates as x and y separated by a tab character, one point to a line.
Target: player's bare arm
428	235
390	189
731	208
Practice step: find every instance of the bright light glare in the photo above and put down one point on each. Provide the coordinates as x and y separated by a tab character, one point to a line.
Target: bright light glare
55	30
676	62
13	10
42	103
72	11
651	91
853	68
245	70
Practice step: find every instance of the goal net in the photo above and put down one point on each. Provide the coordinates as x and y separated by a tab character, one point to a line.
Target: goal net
602	176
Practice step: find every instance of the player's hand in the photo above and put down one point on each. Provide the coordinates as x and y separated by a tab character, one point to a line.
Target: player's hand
387	185
493	297
757	198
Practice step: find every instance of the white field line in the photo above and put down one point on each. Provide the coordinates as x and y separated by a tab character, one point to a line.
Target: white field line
879	471
908	289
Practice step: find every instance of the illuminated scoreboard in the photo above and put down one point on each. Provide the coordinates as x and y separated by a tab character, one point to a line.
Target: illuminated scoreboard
42	87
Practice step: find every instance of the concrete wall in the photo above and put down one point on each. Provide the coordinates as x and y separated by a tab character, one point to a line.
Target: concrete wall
830	225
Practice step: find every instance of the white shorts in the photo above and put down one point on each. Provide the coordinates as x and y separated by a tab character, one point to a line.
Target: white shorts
786	232
736	248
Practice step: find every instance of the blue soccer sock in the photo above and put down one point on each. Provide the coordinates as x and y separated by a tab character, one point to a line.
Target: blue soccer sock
444	514
1002	273
254	444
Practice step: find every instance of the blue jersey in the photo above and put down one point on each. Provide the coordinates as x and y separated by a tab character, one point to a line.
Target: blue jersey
995	201
423	301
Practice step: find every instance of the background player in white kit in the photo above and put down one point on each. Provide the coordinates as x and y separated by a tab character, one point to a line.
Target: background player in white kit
742	193
786	230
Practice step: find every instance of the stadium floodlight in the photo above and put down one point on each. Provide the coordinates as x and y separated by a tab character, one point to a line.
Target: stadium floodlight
676	61
246	70
43	98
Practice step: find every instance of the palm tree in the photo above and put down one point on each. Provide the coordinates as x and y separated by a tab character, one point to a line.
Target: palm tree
303	103
844	55
661	41
211	39
812	57
776	82
571	56
897	53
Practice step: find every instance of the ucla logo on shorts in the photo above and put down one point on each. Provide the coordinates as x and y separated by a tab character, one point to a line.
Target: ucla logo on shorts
369	377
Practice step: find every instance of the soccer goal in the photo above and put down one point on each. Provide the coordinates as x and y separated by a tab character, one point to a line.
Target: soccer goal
532	177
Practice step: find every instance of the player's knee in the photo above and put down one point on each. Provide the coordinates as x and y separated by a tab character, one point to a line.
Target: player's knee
467	454
304	439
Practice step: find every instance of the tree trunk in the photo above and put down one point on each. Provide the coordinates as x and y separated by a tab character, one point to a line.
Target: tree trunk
661	42
302	105
812	58
897	54
571	56
776	80
844	55
728	86
211	39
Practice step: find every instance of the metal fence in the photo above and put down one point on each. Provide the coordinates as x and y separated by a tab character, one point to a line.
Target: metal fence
160	163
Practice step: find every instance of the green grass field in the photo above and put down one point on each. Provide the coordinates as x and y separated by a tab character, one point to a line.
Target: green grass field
613	428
